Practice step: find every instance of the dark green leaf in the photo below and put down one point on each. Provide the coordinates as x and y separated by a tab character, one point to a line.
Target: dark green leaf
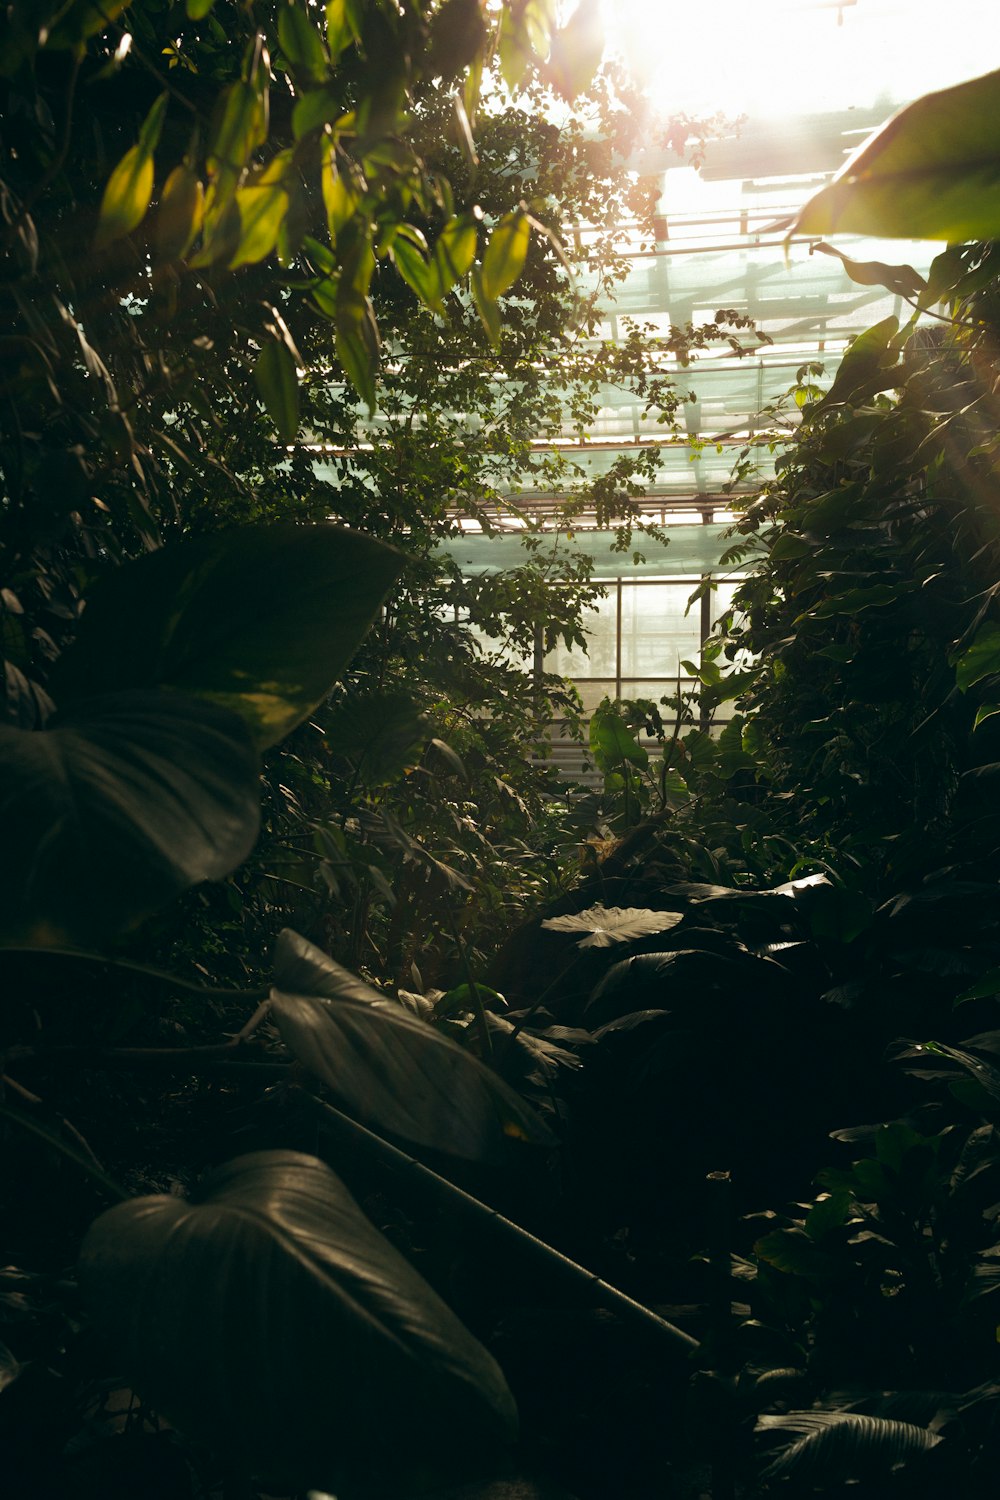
981	658
271	1323
300	41
344	20
612	743
262	620
392	1070
276	380
116	808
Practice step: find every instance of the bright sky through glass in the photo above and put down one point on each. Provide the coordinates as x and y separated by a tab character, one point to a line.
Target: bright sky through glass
789	57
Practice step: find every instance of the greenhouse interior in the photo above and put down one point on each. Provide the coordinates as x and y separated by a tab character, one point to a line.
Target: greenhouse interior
499	750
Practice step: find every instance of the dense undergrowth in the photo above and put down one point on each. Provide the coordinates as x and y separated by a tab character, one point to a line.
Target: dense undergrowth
726	1036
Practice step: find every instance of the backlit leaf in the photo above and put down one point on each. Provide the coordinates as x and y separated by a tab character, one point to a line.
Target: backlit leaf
271	1322
344	19
126	197
392	1070
932	172
358	344
503	260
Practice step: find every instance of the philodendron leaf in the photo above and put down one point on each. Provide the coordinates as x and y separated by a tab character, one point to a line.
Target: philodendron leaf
606	925
269	1321
932	172
261	621
111	811
839	1445
391	1069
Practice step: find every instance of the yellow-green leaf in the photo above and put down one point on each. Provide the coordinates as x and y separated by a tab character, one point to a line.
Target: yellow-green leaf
931	172
277	382
126	197
489	313
577	50
221	230
455	251
505	254
262	204
182	204
410	259
198	9
341	193
343	24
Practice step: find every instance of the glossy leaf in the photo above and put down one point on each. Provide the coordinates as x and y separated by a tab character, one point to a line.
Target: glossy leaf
392	1070
273	1324
261	620
607	925
117	808
838	1446
504	257
276	379
981	658
612	743
932	172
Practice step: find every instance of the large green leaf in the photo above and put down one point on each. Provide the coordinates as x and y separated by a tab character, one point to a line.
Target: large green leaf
111	811
392	1070
612	743
932	172
261	620
270	1321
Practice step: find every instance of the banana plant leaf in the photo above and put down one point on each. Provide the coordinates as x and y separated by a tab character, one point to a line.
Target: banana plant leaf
839	1446
391	1069
269	1320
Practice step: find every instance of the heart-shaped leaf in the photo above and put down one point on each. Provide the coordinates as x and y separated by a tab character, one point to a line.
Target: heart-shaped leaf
270	1321
606	925
111	811
390	1068
261	620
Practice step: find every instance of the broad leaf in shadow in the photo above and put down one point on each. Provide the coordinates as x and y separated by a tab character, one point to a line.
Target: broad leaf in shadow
261	620
111	811
391	1069
270	1321
837	1446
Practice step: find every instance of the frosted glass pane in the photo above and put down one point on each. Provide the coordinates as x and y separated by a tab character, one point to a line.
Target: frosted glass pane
599	660
657	631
